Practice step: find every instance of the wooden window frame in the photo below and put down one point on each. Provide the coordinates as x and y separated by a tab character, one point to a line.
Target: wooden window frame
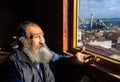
69	40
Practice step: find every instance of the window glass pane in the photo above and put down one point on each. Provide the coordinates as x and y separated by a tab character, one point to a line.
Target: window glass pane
98	26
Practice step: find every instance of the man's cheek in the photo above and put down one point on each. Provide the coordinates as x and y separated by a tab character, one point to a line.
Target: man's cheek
34	46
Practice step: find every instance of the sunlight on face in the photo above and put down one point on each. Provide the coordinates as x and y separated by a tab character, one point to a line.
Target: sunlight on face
35	35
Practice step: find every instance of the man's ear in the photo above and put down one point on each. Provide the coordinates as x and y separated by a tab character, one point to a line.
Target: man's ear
24	41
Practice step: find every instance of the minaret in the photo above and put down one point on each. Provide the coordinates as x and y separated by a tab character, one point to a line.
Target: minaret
91	21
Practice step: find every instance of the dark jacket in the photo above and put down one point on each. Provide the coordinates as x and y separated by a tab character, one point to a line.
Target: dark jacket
21	69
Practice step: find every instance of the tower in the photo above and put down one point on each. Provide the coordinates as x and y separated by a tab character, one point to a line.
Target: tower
91	21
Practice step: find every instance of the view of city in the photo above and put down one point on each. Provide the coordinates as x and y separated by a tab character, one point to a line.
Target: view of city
99	28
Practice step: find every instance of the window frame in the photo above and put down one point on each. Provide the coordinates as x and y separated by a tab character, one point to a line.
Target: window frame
75	36
70	42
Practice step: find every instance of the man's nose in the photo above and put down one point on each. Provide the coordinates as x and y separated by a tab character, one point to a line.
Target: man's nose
41	40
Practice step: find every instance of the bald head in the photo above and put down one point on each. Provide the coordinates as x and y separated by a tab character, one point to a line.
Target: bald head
22	28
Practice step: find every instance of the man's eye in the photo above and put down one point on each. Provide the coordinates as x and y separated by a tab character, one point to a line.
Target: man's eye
35	37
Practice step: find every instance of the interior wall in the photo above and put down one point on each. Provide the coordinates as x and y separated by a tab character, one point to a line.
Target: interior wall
47	13
8	19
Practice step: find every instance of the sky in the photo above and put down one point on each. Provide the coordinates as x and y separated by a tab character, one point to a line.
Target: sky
100	8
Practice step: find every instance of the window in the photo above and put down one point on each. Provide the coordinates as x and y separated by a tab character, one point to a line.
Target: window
98	29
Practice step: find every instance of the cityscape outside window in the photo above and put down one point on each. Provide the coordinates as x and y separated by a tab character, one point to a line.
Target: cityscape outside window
98	26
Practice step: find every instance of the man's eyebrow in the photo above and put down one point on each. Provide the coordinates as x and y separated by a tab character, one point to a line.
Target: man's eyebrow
36	34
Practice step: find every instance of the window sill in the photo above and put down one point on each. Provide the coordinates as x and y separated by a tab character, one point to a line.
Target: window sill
104	65
110	72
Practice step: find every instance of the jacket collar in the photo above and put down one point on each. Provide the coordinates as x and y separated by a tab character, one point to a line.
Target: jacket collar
21	56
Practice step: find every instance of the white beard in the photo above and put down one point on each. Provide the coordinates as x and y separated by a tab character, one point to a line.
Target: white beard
41	54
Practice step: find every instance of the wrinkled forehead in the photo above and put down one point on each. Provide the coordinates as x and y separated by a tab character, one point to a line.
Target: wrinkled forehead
33	30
